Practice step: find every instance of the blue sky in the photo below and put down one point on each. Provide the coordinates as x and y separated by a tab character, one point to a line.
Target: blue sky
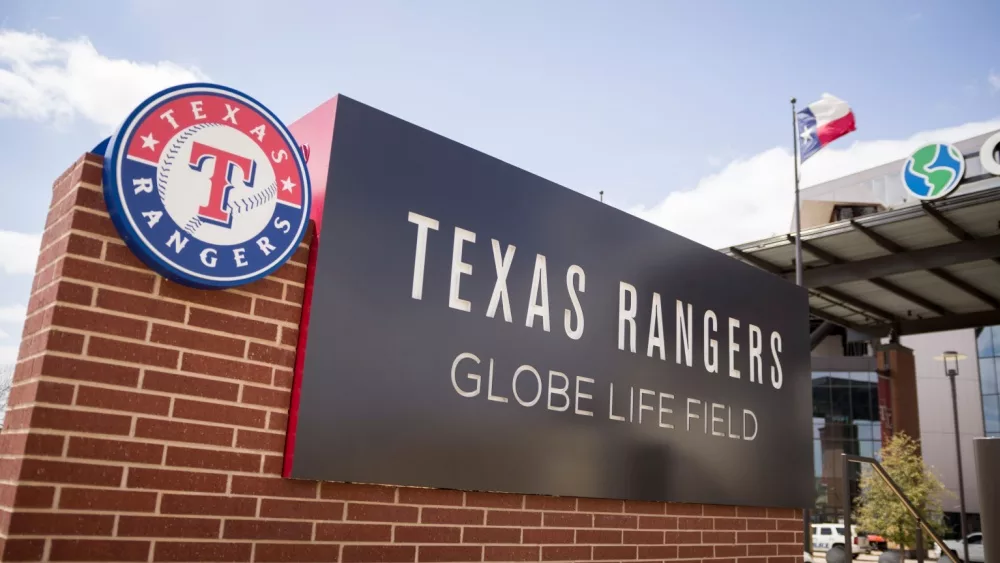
662	104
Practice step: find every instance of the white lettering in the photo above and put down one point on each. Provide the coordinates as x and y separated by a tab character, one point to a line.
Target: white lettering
538	306
231	116
581	395
169	116
282	224
196	109
664	409
577	272
501	262
611	406
239	256
208	257
471	376
754	417
711	344
684	333
756	345
716	419
690	414
143	185
643	406
265	246
729	422
489	388
458	268
259	132
733	348
152	217
538	381
656	339
279	156
178	241
553	390
423	224
626	315
776	377
987	156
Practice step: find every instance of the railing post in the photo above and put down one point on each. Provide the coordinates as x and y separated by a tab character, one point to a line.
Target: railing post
846	484
920	542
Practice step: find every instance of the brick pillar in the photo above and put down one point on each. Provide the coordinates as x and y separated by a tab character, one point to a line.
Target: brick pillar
147	423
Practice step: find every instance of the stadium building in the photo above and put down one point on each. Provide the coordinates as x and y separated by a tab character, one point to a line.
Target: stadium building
895	280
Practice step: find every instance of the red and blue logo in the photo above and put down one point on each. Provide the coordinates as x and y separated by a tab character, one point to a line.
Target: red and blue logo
207	187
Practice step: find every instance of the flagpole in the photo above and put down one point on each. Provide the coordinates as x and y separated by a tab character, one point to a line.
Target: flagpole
798	220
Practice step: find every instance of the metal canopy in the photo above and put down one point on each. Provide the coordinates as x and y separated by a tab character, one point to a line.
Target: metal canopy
922	268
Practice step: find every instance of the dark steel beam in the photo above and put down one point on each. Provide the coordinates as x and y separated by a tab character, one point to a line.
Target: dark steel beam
886	285
949	225
951	322
862	306
886	243
903	262
755	261
826	328
873	330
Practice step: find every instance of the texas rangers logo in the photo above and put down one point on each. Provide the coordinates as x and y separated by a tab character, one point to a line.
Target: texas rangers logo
207	186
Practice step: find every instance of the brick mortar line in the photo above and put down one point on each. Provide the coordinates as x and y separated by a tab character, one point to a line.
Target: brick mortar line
205	400
179	324
143	269
131	439
113	361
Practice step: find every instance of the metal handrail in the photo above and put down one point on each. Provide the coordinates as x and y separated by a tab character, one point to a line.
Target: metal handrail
921	520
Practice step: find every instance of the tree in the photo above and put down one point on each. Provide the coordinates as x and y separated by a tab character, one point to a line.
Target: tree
6	383
878	508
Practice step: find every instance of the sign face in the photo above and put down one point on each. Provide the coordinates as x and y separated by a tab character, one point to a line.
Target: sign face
476	327
933	171
207	186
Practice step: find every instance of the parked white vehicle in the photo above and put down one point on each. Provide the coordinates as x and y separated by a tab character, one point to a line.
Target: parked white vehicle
827	536
976	553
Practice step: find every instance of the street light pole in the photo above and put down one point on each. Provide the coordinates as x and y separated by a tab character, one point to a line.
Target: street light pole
951	374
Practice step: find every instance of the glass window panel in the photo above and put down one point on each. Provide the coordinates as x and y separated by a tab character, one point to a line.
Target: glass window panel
867	448
820	374
840	404
821	401
861	406
864	429
991	412
877	431
996	339
858	376
985	342
839	378
818	424
878	448
817	458
873	377
988	375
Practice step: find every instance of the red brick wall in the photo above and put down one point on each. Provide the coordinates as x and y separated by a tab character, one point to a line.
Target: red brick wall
147	423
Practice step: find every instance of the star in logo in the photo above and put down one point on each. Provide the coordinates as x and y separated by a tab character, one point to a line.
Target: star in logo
287	184
148	142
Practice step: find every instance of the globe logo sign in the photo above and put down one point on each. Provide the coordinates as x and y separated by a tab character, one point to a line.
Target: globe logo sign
933	171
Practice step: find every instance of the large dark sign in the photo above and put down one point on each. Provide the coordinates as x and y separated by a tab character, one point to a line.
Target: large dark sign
476	327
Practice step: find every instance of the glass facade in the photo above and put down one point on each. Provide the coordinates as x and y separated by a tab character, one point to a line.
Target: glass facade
989	368
845	420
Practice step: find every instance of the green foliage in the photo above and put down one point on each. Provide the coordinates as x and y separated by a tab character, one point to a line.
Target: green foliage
879	510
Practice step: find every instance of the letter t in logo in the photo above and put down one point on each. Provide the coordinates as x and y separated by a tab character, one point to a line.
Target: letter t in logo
217	209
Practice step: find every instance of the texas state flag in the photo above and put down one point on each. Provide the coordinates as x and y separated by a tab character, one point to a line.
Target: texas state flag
821	123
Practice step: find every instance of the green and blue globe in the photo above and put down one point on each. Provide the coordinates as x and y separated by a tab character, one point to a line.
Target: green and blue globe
933	171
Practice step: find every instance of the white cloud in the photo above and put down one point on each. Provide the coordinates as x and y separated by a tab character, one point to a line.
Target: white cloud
994	80
18	252
8	355
13	314
752	198
47	79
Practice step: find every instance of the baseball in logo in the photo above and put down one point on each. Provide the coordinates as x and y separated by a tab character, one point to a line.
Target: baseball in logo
207	186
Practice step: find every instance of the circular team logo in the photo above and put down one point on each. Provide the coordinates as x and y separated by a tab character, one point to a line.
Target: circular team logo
207	186
933	171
